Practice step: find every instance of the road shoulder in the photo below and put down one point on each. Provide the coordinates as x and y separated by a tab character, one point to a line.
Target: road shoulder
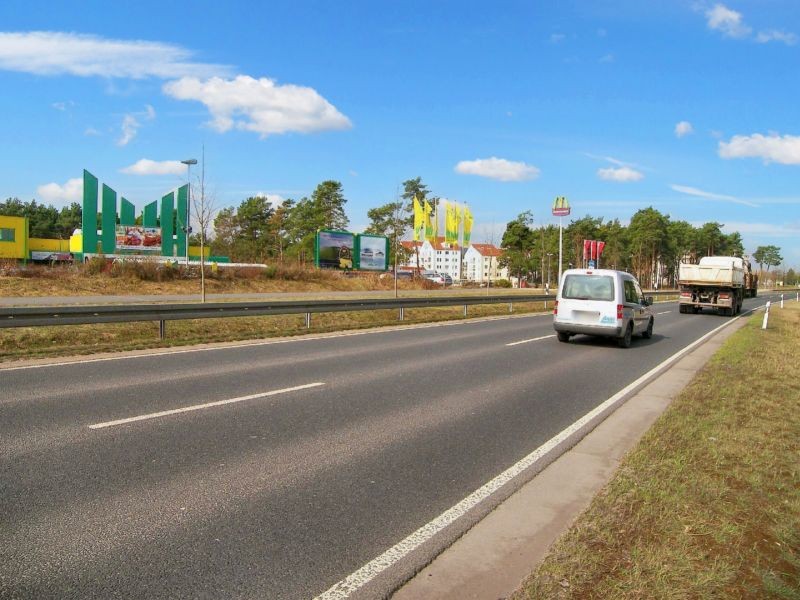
492	559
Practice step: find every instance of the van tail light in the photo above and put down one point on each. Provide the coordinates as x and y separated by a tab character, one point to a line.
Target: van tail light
619	311
555	308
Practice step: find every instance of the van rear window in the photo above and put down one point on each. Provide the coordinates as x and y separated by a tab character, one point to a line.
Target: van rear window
588	287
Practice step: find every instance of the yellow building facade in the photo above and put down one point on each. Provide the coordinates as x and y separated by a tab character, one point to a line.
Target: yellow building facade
13	237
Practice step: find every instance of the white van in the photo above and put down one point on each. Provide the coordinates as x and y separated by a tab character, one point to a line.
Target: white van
602	302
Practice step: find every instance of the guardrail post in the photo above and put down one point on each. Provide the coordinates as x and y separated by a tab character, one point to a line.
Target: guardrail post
766	316
308	320
781	300
511	307
162	329
402	314
465	310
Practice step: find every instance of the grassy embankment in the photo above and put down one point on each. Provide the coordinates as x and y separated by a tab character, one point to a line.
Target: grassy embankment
708	504
42	342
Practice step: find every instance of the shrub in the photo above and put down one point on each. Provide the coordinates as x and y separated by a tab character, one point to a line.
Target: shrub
502	283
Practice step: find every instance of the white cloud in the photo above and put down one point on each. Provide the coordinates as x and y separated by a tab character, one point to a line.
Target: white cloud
146	166
58	53
729	22
130	124
765	229
607	58
91	131
62	106
259	105
71	191
771	148
683	128
620	174
773	35
557	38
692	191
498	168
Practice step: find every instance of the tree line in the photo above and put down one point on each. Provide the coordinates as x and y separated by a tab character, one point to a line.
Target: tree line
651	246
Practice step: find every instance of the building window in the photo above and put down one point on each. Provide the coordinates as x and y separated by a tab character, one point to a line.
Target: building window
7	235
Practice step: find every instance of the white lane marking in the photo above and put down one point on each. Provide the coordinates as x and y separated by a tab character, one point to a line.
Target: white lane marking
544	337
165	413
384	329
666	312
353	582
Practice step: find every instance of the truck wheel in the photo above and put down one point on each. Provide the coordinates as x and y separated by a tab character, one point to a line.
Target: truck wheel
563	336
682	309
625	340
648	333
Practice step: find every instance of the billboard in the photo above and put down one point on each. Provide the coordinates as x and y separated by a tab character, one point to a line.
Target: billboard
138	238
334	249
372	252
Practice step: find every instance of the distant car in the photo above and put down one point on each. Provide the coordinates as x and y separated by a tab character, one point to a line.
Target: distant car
602	302
440	278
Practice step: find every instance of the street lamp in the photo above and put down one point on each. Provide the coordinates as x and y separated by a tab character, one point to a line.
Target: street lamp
188	162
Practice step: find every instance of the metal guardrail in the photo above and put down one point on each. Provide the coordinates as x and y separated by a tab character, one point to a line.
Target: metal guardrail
38	316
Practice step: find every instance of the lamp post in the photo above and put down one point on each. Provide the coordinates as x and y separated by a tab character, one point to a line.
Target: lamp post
188	162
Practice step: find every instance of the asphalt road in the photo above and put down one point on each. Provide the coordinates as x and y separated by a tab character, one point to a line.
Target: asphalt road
283	495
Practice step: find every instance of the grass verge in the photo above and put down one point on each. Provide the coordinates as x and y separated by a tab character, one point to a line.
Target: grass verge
69	340
708	504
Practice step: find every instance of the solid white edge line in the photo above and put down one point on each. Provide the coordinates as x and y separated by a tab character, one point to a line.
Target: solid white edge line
165	413
299	338
544	337
344	588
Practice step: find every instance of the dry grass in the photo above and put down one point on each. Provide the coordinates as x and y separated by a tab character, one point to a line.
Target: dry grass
708	504
68	340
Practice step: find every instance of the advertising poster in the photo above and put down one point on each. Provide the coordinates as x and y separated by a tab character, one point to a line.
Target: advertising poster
335	249
138	238
373	252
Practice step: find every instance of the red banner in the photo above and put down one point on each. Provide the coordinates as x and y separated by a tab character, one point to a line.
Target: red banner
593	249
586	245
600	246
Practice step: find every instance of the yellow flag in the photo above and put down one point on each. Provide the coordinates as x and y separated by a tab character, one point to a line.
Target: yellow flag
429	230
419	220
451	223
467	225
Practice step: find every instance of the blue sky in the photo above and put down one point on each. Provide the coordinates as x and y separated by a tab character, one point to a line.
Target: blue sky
687	106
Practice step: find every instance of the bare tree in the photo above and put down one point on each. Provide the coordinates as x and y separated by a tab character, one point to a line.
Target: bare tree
204	209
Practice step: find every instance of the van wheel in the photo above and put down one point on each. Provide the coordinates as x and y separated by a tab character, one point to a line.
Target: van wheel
625	340
648	333
562	336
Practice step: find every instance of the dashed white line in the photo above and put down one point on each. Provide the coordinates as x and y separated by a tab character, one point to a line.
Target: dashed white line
666	312
165	413
544	337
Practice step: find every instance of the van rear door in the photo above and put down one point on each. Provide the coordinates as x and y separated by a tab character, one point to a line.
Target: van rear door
588	299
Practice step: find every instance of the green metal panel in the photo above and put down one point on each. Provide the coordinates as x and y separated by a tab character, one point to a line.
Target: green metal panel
89	216
180	234
167	208
151	215
109	231
127	213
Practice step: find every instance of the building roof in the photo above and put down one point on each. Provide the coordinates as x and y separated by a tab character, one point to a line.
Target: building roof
439	245
487	249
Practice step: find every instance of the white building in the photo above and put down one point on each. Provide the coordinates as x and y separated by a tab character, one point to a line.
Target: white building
481	263
441	257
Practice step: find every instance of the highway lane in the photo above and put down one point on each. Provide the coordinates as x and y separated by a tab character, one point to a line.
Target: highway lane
284	495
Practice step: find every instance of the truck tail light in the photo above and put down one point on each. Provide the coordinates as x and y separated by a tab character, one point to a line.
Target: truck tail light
724	295
686	294
619	311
